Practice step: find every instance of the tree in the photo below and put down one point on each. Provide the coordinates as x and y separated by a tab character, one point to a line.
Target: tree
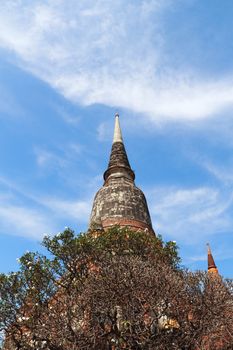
113	290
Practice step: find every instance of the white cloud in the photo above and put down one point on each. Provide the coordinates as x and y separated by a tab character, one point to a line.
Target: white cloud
21	213
49	160
45	216
68	117
189	215
60	158
30	215
23	221
78	210
224	173
110	53
103	131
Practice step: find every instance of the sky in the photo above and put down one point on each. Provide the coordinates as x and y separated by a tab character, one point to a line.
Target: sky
66	68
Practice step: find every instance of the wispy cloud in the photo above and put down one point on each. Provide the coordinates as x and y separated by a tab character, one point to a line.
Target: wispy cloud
31	215
49	159
24	221
109	53
59	158
189	215
77	210
21	214
45	216
224	173
103	131
68	117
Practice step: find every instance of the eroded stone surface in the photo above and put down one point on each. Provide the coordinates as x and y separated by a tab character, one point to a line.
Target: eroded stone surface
120	198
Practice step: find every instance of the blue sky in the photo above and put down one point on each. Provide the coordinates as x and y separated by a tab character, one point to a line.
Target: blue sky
166	67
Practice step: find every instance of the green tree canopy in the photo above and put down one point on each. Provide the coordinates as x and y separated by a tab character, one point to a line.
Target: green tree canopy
112	290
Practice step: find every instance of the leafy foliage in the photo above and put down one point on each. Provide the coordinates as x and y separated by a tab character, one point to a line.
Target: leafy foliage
112	290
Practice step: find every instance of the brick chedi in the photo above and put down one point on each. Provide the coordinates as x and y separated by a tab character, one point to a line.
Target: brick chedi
119	201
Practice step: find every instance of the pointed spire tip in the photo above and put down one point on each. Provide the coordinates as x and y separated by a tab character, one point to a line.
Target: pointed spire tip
211	262
117	137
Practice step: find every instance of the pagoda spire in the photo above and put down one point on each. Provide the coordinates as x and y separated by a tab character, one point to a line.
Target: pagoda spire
212	268
118	165
117	136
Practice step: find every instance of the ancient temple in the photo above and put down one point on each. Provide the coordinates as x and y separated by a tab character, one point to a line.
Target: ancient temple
119	201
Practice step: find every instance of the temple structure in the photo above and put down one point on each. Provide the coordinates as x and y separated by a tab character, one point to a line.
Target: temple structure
119	201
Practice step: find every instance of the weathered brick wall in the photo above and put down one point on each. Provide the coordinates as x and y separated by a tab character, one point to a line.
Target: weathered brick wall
120	202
